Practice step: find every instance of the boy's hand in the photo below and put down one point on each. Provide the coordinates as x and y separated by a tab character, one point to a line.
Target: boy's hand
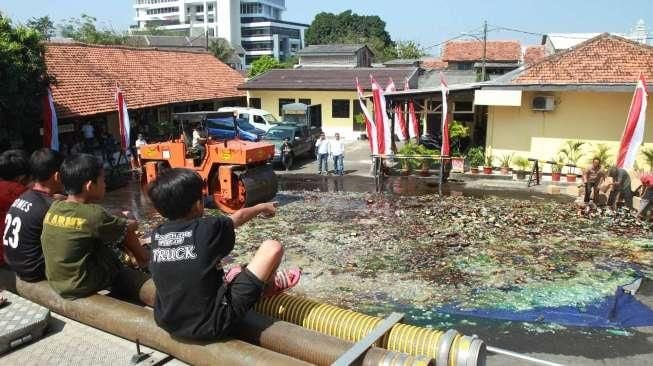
268	209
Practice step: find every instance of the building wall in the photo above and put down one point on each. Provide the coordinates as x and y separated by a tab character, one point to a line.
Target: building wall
594	117
330	125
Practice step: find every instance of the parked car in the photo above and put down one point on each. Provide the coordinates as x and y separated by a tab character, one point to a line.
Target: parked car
300	137
223	128
256	117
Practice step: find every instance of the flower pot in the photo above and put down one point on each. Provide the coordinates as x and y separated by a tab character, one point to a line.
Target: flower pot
426	165
474	170
555	177
571	178
487	170
505	170
457	164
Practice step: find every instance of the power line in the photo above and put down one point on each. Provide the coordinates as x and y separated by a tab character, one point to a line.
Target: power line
462	35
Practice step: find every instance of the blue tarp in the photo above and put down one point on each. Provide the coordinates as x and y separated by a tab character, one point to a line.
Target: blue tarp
621	310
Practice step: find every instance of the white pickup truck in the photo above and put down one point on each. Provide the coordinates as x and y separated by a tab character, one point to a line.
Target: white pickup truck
259	118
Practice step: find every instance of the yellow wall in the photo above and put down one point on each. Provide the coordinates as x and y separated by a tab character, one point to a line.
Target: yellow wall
594	117
270	103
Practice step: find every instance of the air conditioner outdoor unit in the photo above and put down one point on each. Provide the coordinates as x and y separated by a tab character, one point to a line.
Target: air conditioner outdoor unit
543	103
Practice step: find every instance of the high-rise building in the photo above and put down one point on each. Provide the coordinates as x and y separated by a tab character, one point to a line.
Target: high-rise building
257	25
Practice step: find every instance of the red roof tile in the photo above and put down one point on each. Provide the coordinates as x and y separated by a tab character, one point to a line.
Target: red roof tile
434	63
533	54
86	75
605	59
507	51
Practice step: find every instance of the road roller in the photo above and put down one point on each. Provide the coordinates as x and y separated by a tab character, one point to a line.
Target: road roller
236	173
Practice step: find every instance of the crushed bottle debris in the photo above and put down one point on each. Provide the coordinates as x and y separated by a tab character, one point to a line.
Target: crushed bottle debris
371	251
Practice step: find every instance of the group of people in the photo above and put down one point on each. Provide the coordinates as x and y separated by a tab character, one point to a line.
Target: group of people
56	230
620	188
334	148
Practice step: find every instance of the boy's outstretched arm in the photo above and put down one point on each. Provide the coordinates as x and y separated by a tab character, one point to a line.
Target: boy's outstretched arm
243	215
132	244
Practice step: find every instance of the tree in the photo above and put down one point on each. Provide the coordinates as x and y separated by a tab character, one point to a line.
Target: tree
24	82
43	25
348	27
85	30
409	50
263	65
222	50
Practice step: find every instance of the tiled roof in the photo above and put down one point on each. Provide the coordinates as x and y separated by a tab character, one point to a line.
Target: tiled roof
533	54
434	63
473	51
86	76
605	59
329	79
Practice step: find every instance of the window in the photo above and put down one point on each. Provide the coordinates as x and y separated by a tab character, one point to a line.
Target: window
465	65
255	103
244	116
340	108
282	102
259	119
305	101
199	9
463	107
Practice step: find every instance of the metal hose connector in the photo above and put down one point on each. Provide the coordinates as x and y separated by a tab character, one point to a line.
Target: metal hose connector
447	348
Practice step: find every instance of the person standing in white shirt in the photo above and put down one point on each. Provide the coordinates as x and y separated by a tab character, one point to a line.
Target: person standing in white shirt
322	147
337	149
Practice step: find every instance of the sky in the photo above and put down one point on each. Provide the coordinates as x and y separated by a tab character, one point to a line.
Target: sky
427	22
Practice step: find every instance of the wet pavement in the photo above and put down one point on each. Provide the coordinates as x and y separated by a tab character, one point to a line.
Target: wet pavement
399	247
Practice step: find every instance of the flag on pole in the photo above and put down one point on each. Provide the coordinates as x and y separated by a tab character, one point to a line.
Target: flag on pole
413	123
634	132
383	132
400	121
123	118
370	126
50	127
445	116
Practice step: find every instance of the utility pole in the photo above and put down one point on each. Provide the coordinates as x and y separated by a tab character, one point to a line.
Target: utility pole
484	50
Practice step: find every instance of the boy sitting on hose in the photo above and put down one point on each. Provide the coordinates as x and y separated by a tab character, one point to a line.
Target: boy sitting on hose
194	299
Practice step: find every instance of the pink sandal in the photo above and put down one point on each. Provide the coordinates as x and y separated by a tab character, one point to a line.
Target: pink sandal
283	280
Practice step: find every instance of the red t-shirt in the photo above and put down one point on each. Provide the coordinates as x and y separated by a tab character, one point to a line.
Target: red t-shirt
9	191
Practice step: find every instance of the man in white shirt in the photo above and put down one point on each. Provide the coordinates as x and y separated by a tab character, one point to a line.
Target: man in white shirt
198	142
322	147
337	149
88	131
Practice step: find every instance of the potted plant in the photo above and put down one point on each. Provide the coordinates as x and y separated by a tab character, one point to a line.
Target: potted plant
475	158
648	156
359	119
408	164
505	161
522	165
426	160
572	151
489	159
601	152
457	132
556	168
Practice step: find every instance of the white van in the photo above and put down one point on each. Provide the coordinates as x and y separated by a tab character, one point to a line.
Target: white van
259	118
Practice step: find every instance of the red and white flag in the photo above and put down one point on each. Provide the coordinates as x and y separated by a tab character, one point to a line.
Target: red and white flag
634	132
399	119
50	127
383	132
413	124
370	126
445	116
123	118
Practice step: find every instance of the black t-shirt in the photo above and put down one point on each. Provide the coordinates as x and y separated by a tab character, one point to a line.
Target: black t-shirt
185	267
22	237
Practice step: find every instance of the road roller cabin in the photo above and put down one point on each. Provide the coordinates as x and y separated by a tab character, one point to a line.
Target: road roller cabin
236	173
